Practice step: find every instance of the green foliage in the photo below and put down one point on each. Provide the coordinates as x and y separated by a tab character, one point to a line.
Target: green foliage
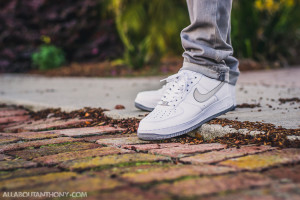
266	29
48	57
149	29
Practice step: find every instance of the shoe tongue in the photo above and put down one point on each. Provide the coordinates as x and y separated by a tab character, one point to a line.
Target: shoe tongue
185	71
188	72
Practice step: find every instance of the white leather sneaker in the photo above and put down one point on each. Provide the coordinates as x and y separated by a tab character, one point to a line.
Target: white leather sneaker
147	100
190	99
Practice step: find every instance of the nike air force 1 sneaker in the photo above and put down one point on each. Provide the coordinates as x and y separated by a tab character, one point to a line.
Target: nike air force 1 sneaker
189	100
147	100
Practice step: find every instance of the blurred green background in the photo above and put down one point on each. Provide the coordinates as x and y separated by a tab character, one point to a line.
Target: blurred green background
136	34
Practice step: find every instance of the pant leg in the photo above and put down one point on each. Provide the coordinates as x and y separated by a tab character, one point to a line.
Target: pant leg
206	40
232	62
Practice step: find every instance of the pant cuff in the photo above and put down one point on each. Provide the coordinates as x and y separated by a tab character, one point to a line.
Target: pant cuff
220	73
233	77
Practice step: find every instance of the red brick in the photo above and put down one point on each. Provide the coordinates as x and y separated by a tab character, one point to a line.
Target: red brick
173	172
110	160
7	139
14	164
273	192
121	141
76	183
6	120
31	181
290	191
27	172
187	149
129	194
98	137
55	124
50	150
147	147
118	171
265	160
7	113
217	156
5	126
286	173
38	143
19	127
6	108
106	136
61	157
98	130
33	135
211	185
5	157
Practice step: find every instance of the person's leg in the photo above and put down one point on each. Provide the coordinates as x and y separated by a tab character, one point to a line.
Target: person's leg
206	40
204	87
207	46
232	63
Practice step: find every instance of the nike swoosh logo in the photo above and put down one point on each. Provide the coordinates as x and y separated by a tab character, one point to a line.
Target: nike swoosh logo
204	97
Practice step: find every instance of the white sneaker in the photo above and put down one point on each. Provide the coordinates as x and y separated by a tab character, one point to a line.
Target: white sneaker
147	100
190	99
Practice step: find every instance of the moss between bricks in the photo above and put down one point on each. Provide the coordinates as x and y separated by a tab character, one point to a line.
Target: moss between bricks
60	144
35	180
104	167
111	160
52	145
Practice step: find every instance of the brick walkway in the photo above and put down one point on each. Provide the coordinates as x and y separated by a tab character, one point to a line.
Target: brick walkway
49	155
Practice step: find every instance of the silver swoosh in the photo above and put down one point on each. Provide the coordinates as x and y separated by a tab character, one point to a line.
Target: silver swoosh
204	97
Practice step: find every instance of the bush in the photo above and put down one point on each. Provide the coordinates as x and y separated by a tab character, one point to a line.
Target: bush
139	31
149	29
48	57
266	30
79	27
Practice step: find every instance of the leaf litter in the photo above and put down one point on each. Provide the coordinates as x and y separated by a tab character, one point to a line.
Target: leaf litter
270	134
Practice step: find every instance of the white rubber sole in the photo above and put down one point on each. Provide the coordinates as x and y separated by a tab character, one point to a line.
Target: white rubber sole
216	109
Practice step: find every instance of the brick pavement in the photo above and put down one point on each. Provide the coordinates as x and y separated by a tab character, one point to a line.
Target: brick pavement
52	155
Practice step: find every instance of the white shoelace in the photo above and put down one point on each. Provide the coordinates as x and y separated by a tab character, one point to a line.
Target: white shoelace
177	86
